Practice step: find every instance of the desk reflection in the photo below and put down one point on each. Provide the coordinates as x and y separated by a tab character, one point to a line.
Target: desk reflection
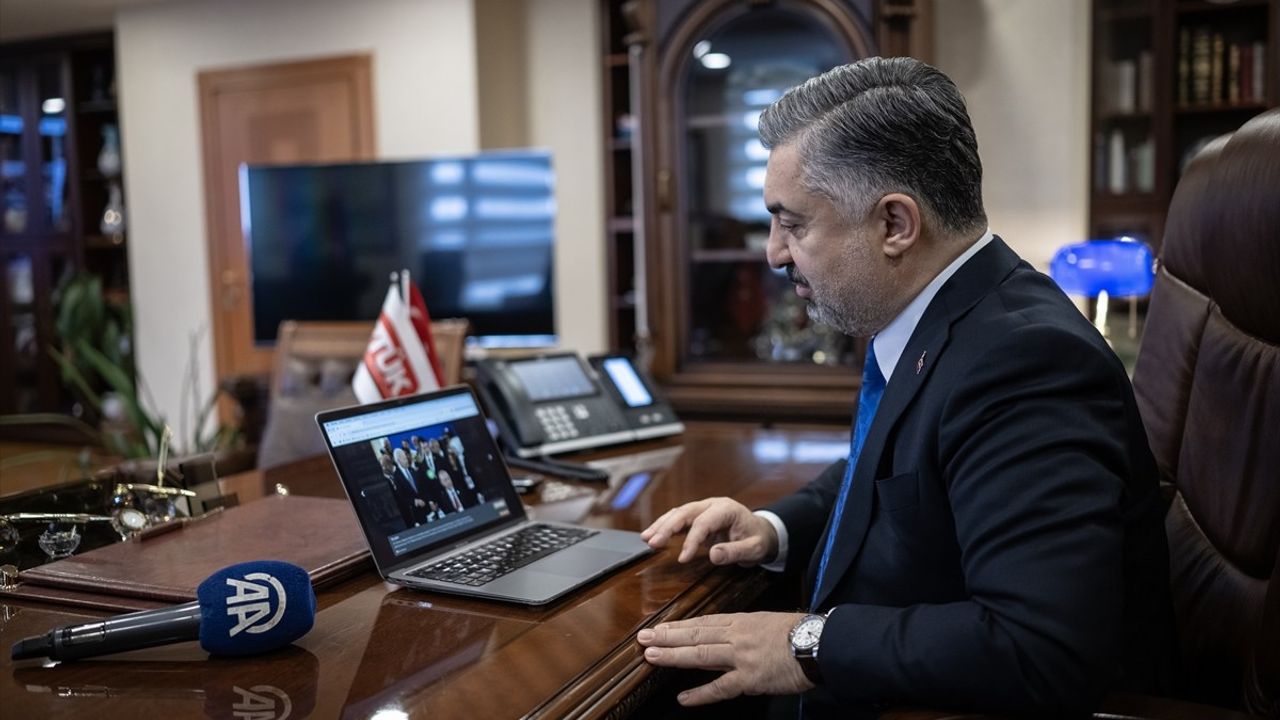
277	686
416	642
630	477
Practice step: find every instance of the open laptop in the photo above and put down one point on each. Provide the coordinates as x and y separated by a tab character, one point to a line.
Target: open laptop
439	511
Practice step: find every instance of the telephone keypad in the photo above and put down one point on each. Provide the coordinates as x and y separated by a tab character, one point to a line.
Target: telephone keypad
556	423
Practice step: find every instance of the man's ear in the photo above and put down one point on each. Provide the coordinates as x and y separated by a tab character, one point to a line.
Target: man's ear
899	218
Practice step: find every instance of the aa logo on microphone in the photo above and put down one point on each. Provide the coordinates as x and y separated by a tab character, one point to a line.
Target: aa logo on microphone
251	603
261	702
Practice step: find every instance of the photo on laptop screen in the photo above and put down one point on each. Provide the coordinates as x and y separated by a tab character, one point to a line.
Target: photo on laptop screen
422	473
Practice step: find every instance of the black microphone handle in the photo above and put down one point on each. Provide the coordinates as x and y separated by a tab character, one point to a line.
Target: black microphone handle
134	631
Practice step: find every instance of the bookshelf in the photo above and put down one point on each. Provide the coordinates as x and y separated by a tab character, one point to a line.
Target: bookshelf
619	125
1167	77
57	106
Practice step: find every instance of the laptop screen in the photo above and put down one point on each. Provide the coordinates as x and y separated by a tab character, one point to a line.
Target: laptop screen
422	473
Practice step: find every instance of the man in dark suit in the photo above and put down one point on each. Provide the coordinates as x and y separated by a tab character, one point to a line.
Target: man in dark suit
399	490
995	539
454	498
436	459
411	487
456	464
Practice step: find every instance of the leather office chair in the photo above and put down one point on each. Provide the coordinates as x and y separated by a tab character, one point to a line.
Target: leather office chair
1207	382
314	364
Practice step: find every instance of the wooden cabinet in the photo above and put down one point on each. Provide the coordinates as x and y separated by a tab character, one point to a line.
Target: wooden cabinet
100	178
57	106
619	129
1167	77
691	291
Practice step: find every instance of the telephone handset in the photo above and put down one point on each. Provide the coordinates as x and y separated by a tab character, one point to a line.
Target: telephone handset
555	403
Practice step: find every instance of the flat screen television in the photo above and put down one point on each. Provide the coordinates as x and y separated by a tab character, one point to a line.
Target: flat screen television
477	234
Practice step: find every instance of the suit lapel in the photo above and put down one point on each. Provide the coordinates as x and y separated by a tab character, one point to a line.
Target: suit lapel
973	281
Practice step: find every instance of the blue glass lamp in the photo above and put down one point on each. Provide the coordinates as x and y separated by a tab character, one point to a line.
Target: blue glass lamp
1120	267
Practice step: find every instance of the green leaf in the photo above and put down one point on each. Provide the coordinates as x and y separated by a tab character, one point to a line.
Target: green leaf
115	377
111	344
72	375
122	384
67	311
95	308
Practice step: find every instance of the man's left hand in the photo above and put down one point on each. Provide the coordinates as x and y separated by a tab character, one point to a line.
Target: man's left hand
752	648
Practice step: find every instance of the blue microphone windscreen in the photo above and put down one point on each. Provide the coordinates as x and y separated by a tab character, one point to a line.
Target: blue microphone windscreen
255	607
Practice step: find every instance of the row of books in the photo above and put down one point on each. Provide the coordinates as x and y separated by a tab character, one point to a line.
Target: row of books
1122	165
1125	86
1213	72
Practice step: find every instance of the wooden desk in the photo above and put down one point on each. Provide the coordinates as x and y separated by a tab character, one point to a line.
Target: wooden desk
376	647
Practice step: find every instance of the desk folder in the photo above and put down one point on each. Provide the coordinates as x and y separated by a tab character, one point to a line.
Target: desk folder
320	535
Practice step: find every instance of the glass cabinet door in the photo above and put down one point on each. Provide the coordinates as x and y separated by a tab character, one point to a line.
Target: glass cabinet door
51	93
739	310
35	225
34	187
20	332
25	289
14	203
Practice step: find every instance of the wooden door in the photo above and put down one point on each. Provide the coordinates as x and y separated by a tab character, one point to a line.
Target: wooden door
298	112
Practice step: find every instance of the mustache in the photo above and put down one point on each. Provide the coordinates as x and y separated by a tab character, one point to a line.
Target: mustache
795	277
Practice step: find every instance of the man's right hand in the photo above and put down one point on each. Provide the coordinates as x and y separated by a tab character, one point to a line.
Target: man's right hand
736	535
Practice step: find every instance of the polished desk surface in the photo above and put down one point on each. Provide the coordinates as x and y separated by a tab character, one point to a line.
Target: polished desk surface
376	647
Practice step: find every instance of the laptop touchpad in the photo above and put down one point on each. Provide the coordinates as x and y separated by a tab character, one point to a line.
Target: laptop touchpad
578	561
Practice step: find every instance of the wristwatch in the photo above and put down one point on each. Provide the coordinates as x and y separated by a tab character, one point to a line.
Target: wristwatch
804	638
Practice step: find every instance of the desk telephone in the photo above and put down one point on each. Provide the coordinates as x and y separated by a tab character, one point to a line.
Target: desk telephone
555	403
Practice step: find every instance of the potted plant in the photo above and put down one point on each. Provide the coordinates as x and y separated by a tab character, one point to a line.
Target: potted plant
95	356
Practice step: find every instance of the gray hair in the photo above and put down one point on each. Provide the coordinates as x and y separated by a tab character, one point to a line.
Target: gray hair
883	125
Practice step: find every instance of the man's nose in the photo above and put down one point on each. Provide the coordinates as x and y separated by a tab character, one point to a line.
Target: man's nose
776	251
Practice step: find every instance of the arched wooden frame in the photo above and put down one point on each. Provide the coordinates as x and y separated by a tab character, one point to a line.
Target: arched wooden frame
669	259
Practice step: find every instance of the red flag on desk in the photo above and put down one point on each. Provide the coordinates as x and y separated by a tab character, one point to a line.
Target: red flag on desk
401	357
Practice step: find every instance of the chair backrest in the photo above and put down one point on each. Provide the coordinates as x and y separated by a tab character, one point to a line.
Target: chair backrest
1207	381
302	349
314	364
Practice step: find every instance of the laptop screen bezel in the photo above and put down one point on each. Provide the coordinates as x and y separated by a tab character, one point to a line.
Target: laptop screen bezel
393	564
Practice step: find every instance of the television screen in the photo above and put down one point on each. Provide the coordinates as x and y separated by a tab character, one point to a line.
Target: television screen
476	233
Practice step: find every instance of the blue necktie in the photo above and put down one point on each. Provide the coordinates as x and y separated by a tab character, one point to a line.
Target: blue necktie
868	400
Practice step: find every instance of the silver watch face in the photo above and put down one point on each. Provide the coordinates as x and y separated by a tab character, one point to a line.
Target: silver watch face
806	635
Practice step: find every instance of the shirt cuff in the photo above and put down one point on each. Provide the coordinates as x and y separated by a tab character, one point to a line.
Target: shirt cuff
779	562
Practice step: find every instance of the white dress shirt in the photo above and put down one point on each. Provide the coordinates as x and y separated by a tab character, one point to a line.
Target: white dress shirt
889	344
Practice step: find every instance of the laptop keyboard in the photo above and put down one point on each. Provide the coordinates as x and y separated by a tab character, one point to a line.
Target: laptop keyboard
497	558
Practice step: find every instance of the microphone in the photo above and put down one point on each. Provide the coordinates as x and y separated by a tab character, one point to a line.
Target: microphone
244	609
